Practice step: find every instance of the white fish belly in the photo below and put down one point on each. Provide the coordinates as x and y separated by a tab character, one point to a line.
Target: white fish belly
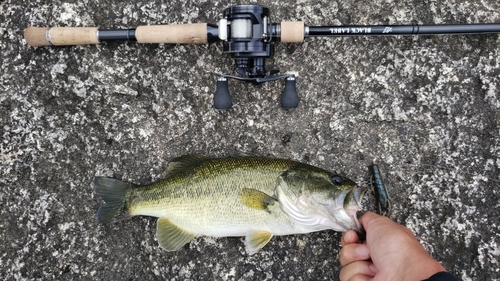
219	217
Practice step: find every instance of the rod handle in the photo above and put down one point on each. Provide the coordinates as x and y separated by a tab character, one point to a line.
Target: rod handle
195	33
59	36
292	31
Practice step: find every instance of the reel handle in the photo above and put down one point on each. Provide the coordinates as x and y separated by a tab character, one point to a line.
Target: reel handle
197	33
222	98
289	98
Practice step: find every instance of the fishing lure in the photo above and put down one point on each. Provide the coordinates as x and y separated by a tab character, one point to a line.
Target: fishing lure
383	201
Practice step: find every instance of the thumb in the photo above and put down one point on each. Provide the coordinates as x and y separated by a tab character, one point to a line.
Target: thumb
368	219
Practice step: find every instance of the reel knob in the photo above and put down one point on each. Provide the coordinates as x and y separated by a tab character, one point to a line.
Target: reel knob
289	98
222	98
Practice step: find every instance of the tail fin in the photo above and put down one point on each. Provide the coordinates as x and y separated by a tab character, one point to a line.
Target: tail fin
114	194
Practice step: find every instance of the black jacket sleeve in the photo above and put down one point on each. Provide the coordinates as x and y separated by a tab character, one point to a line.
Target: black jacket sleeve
441	276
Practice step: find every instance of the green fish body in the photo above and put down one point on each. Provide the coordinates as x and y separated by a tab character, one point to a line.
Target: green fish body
255	197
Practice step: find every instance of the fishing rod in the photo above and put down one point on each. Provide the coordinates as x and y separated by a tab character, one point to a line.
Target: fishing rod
248	35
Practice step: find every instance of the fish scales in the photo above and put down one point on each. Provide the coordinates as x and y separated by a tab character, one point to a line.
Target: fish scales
255	197
210	193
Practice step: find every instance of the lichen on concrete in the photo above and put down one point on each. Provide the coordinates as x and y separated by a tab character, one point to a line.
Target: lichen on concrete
425	109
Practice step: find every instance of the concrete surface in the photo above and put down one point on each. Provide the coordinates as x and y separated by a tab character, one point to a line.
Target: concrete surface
426	109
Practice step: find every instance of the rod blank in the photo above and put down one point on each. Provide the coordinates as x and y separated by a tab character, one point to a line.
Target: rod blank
373	30
202	33
116	34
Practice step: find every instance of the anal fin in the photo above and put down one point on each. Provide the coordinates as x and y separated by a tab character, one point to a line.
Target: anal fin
255	240
170	236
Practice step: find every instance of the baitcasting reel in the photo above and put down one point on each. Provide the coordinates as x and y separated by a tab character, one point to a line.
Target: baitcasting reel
247	33
248	36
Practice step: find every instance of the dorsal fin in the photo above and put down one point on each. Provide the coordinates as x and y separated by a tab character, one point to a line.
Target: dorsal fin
180	164
245	154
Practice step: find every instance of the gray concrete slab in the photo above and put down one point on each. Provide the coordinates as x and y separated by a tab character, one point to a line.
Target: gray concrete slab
426	109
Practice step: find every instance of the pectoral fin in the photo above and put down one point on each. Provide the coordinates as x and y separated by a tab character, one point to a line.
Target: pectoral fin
256	199
255	240
170	236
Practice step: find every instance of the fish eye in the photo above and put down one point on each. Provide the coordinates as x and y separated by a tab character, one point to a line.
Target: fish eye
336	179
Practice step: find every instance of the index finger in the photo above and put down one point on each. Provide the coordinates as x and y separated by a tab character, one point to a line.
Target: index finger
349	237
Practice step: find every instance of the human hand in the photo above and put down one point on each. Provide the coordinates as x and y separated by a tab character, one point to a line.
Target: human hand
390	252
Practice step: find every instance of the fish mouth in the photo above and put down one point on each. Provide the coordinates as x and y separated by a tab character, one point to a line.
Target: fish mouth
348	203
353	198
359	194
354	206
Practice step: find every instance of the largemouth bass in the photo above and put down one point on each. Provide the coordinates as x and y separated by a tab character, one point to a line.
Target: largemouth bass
255	197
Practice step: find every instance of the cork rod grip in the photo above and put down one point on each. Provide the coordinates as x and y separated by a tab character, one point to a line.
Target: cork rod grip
292	32
195	33
60	36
